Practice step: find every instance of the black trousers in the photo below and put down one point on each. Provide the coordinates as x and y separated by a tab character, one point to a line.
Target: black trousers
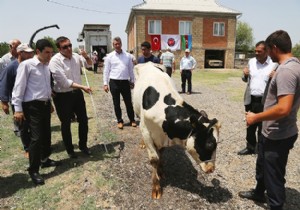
117	88
38	116
66	105
271	168
256	107
22	130
169	71
95	67
186	75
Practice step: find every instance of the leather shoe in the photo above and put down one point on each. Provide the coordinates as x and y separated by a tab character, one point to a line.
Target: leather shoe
120	125
246	151
36	178
133	124
86	151
50	163
72	155
251	195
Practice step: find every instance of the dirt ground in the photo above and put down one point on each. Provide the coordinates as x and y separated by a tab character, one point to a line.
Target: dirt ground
185	186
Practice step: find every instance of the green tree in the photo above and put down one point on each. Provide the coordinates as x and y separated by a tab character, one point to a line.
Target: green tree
296	50
244	37
4	48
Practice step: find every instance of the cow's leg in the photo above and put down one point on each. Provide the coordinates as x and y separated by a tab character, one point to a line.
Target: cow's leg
154	161
160	171
156	188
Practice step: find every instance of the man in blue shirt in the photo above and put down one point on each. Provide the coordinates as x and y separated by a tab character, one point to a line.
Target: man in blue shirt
147	55
24	52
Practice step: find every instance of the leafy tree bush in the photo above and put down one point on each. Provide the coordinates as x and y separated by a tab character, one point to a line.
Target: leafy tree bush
244	37
296	50
4	48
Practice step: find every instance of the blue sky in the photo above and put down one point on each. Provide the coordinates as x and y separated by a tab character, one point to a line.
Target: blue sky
21	18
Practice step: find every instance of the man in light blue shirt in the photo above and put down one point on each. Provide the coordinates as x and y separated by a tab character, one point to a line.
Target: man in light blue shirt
31	98
187	64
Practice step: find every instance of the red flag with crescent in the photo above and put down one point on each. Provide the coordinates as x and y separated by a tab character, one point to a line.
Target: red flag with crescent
155	42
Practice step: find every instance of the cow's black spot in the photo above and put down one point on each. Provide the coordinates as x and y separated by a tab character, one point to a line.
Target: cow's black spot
169	100
205	142
184	121
177	124
150	97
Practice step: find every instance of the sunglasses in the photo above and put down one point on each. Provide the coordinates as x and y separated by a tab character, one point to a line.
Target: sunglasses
66	46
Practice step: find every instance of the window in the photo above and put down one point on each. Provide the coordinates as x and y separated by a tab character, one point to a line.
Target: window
185	27
154	27
219	29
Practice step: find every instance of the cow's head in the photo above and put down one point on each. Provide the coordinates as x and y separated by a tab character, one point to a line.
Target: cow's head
202	143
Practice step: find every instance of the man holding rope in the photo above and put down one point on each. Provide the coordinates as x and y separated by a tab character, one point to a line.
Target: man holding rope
68	98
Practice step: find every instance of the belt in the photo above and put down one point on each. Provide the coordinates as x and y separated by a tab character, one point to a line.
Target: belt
69	92
37	102
256	98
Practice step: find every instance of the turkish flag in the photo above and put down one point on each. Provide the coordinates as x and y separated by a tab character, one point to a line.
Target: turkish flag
155	42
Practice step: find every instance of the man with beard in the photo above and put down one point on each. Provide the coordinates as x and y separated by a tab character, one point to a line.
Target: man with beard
279	127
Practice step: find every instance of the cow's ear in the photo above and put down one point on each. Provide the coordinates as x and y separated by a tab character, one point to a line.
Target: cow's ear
212	122
203	117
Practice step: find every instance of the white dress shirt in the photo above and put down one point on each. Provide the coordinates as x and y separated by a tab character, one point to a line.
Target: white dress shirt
65	71
259	75
118	66
187	63
32	83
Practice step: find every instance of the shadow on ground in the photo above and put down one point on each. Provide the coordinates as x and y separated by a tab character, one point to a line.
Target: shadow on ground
180	172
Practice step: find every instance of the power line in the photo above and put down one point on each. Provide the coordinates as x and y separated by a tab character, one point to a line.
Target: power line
85	9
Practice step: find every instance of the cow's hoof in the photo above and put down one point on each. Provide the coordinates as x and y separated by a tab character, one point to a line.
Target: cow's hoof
142	144
156	193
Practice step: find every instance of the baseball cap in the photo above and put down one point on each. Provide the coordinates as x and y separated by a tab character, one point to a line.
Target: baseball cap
24	47
187	50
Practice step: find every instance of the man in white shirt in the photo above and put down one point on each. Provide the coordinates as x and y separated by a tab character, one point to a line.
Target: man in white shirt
31	99
118	74
68	98
257	73
187	64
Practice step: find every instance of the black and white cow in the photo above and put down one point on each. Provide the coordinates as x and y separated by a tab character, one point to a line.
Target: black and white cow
165	115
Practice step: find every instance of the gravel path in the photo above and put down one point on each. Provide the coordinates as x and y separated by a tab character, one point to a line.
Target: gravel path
184	185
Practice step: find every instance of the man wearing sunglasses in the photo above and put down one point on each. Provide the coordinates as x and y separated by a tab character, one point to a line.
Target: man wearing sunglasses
68	98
